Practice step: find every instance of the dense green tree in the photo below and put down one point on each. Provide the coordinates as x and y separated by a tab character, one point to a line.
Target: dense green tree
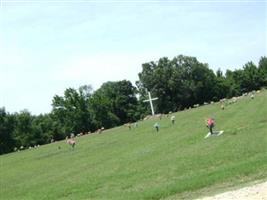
102	111
114	103
72	112
221	87
44	129
7	125
178	83
24	130
263	71
250	77
232	81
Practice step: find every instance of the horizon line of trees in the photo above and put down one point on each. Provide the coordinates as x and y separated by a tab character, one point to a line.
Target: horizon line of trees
178	83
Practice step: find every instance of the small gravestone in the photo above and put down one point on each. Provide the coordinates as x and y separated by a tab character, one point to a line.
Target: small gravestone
172	119
196	105
156	125
130	126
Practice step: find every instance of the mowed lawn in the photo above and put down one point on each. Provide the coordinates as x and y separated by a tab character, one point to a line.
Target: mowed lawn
175	163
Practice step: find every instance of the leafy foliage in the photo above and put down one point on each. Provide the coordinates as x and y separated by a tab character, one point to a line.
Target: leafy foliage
178	83
114	104
7	125
71	112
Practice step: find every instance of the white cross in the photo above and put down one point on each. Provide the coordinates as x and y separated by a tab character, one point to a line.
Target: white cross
150	101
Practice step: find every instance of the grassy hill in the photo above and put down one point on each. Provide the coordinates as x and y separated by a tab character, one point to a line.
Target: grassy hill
175	163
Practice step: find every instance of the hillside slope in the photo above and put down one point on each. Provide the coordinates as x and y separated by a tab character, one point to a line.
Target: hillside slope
175	163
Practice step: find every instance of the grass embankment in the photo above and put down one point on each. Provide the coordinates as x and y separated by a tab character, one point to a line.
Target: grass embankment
138	164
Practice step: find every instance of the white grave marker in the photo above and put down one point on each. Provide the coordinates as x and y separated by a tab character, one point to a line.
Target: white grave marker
216	133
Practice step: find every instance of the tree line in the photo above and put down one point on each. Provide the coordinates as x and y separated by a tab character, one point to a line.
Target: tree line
178	83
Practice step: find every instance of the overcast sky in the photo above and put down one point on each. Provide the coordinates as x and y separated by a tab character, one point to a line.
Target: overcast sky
46	47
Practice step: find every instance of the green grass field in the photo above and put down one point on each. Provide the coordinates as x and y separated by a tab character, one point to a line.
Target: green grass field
175	163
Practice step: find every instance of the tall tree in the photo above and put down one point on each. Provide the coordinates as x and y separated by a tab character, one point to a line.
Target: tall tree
114	103
24	130
221	87
44	129
72	110
250	77
263	71
7	125
179	83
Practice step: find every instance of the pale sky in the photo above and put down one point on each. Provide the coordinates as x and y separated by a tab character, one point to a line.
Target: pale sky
48	46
